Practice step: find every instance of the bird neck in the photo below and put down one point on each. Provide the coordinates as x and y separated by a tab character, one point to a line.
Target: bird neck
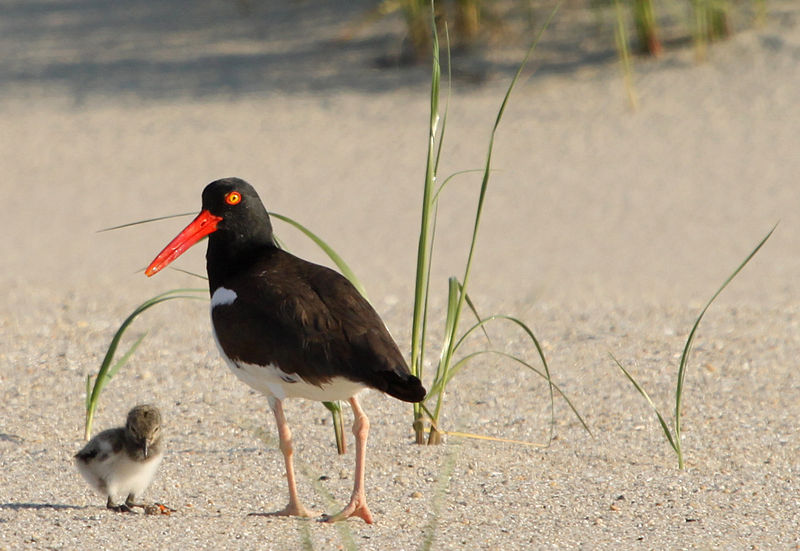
226	256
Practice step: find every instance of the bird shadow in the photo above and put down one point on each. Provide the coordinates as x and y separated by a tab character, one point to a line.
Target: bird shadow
6	437
39	506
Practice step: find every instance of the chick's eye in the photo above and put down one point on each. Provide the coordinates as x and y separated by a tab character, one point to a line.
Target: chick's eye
233	198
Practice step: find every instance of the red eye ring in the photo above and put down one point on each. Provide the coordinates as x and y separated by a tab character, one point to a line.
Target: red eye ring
233	198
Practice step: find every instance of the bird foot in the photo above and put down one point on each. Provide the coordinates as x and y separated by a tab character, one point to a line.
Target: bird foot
121	508
356	508
291	510
158	509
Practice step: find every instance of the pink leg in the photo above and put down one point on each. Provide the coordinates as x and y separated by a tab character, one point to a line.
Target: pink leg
358	501
294	508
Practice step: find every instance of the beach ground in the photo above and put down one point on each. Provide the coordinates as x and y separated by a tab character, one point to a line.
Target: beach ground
605	229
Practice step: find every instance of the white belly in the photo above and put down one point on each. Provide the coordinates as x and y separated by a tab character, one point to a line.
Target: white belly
272	381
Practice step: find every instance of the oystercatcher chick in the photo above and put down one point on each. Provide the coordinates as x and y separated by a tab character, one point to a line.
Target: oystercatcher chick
290	328
124	460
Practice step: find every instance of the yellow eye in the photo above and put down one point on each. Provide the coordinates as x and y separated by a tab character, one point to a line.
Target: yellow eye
233	198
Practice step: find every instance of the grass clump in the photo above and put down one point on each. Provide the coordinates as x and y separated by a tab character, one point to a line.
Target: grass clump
447	365
710	23
673	436
644	18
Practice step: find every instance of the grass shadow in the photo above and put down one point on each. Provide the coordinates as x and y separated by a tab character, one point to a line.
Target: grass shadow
40	506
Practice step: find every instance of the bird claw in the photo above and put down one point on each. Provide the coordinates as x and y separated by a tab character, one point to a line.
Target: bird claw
121	508
355	508
158	509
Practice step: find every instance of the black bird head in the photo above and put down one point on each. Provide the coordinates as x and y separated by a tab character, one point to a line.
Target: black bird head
233	217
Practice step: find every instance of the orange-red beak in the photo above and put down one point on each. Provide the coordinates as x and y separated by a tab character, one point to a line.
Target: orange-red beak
204	224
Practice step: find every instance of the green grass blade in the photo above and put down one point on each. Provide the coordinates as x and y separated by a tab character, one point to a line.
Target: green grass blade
88	390
451	372
488	164
129	224
189	272
111	372
483	322
449	324
476	314
443	120
458	292
462	362
623	50
455	369
106	366
447	345
332	254
540	351
452	177
422	280
338	425
552	385
424	333
125	357
643	392
422	275
690	340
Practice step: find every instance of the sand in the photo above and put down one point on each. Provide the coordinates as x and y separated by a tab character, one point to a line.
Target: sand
604	229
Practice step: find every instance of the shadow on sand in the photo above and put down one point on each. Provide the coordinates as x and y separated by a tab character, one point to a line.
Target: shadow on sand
187	48
38	506
216	48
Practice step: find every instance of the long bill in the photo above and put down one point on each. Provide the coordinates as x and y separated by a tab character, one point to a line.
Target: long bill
204	224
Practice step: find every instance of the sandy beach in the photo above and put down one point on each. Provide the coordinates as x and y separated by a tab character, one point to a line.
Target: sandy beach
605	229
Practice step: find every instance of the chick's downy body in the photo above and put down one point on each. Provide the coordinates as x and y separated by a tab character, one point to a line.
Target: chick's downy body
123	461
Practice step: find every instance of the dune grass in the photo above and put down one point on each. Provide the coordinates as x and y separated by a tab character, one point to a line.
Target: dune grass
644	19
448	365
674	435
478	21
109	367
624	54
710	23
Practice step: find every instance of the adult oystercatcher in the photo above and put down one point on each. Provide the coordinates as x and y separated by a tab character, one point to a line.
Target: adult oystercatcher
290	328
124	460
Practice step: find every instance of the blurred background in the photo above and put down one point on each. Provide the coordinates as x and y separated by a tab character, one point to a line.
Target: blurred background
649	144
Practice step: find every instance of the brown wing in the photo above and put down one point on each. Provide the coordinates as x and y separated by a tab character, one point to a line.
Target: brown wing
310	320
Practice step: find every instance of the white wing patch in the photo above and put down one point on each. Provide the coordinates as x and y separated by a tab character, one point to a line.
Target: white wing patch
222	297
